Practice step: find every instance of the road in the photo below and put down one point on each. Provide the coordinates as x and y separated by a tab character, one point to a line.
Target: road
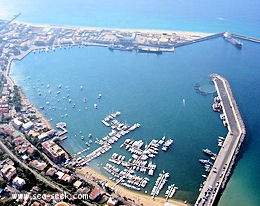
38	176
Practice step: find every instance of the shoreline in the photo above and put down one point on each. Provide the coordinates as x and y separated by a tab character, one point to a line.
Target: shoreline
137	197
25	100
155	31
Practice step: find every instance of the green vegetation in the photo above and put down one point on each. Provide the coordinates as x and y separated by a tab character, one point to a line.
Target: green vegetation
34	141
17	99
31	181
2	184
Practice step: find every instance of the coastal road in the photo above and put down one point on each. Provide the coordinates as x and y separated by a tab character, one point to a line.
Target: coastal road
38	176
217	177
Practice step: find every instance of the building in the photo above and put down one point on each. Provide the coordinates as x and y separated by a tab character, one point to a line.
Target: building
59	174
31	150
17	134
67	178
112	201
38	165
54	151
77	184
51	171
8	171
18	182
95	194
17	124
27	126
46	135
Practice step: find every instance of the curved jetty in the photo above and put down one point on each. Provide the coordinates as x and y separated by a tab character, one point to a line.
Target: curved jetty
225	159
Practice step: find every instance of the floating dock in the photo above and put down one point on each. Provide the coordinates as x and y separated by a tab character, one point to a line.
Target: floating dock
221	170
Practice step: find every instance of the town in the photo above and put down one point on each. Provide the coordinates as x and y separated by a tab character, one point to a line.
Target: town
31	157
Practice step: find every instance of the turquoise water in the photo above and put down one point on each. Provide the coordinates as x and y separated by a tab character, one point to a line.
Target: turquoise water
238	16
148	88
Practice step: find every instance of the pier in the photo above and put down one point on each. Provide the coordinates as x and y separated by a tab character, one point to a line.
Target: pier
221	170
61	126
213	36
247	38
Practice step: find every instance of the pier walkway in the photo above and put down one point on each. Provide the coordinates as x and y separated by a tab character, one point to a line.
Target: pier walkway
222	167
246	38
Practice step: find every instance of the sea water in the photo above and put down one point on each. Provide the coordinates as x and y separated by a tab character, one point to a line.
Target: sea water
150	89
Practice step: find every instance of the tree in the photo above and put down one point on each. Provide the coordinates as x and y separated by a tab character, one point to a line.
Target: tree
2	184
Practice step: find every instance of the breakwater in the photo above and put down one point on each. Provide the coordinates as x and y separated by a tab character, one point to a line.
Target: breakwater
246	38
213	36
221	170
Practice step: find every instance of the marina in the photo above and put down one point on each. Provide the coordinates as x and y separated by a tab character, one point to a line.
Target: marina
137	163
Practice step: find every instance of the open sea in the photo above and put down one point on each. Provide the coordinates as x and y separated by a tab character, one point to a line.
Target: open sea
148	88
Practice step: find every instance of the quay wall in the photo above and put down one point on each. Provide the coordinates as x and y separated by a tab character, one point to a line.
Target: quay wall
241	136
225	160
199	40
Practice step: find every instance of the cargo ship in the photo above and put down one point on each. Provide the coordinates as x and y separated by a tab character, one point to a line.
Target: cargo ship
146	49
227	36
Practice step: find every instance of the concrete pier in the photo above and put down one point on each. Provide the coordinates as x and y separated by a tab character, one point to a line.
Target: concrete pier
221	170
213	36
246	38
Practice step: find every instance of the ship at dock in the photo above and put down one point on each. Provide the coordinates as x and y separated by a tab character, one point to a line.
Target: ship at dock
227	36
147	49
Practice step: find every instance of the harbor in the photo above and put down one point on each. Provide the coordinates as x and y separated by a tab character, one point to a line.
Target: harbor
107	125
224	162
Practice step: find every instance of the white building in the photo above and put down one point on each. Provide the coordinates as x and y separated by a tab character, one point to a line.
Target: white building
18	182
17	124
27	126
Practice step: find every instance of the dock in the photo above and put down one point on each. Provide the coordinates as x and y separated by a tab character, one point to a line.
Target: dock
222	167
62	127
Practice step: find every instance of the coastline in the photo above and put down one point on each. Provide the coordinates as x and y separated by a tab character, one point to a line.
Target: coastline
25	101
122	191
136	196
183	19
139	198
155	31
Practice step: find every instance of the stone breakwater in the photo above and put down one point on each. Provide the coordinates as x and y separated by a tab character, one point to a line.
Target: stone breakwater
222	168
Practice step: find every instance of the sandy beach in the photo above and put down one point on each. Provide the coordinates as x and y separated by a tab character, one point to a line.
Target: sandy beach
146	200
186	34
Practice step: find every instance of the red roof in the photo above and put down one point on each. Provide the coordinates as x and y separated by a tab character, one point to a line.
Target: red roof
94	194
